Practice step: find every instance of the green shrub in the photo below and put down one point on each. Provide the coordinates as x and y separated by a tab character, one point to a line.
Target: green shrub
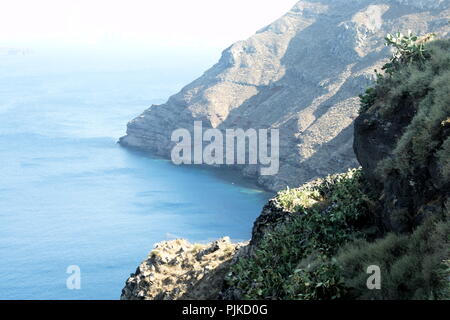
443	156
367	99
416	86
409	51
409	48
412	266
426	87
294	260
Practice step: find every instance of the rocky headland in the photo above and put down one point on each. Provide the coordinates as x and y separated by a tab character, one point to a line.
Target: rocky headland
178	269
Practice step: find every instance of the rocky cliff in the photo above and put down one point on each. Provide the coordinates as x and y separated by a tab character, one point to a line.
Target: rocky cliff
321	240
301	74
392	214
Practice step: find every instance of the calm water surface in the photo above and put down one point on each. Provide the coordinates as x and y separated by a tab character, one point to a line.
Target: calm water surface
69	195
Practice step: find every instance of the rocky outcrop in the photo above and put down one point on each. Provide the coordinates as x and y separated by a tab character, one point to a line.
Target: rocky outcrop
302	75
178	269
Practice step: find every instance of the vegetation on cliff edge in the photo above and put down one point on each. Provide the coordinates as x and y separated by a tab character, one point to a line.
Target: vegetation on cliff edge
333	234
295	260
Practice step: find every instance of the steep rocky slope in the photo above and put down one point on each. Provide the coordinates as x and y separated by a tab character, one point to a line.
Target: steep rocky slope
319	241
302	75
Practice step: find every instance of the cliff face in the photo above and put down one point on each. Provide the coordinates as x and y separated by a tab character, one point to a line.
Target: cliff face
393	213
302	75
317	241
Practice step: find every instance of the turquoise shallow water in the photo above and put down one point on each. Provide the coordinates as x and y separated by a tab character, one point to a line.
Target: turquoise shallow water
70	195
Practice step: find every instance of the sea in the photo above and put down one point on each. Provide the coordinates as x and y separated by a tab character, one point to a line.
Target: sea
71	196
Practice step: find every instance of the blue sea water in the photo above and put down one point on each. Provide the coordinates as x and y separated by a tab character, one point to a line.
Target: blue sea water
70	195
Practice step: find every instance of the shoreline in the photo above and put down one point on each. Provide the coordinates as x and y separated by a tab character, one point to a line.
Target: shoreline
229	174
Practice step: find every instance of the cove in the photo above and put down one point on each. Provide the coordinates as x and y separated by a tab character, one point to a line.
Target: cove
71	196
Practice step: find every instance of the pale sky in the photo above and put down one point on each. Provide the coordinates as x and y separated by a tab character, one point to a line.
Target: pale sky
215	23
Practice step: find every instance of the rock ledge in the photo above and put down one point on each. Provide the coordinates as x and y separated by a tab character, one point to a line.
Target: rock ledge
178	269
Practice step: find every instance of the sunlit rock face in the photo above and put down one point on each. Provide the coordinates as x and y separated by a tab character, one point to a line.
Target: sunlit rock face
302	74
179	270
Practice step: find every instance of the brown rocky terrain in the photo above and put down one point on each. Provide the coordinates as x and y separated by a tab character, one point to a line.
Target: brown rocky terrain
178	269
